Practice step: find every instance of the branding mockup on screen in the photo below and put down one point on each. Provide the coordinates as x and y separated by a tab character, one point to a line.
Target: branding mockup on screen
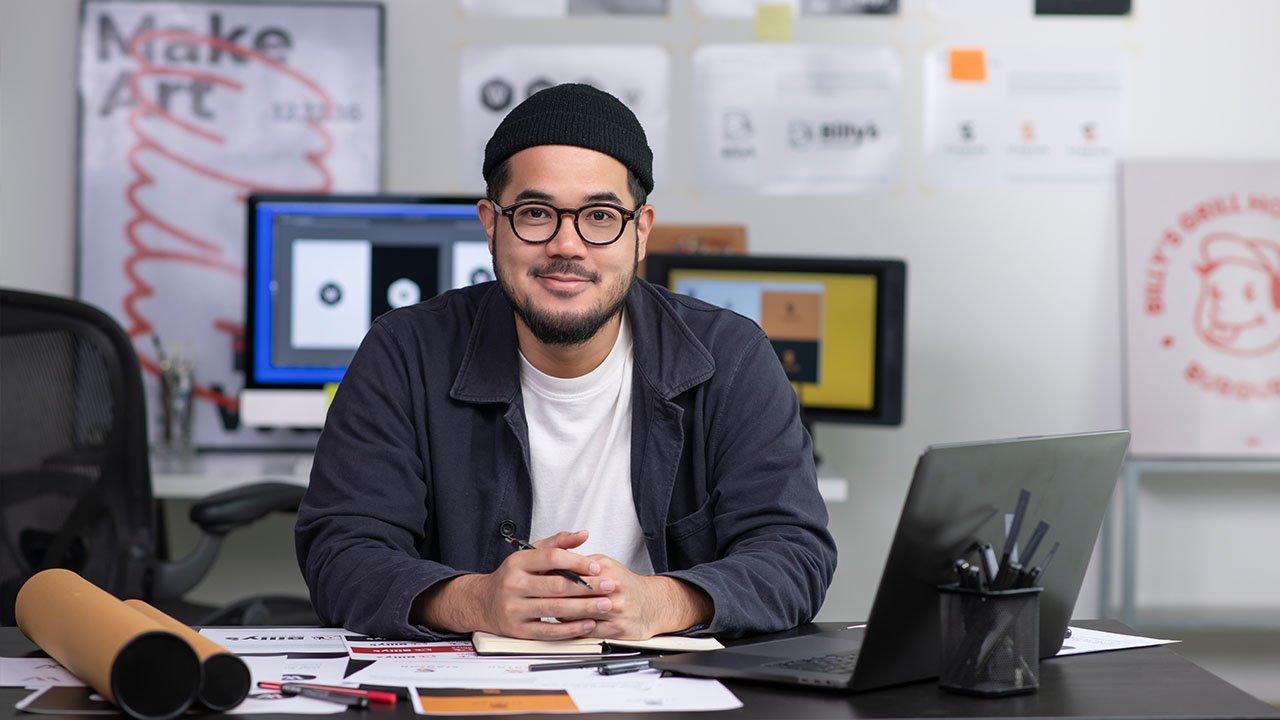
321	268
836	324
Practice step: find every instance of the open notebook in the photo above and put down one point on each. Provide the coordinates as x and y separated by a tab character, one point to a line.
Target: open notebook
490	644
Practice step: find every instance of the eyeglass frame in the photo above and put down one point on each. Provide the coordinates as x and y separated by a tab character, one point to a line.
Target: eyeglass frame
510	212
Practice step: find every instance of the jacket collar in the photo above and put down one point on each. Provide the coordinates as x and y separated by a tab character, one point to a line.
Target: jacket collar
666	354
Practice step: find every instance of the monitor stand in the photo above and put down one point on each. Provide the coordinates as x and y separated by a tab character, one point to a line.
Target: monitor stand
808	426
280	408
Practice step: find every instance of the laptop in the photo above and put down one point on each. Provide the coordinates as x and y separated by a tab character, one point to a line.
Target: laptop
960	493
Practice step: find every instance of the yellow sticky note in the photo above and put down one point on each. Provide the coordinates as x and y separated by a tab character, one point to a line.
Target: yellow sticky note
773	22
968	64
329	390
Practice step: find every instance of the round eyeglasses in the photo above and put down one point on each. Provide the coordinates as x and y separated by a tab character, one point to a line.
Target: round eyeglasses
537	222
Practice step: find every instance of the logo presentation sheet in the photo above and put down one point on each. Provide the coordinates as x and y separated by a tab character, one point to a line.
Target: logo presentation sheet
1202	286
495	78
786	120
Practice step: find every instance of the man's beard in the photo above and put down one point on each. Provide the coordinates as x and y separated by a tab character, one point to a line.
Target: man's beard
564	328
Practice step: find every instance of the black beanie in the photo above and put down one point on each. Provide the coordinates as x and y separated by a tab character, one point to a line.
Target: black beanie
573	114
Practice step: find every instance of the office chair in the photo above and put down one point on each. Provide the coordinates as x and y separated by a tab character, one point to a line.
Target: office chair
75	478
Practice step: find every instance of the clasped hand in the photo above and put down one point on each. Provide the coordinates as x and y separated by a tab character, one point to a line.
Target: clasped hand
525	589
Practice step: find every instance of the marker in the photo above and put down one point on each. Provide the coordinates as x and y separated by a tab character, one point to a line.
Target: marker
987	556
1009	575
569	575
306	690
572	665
1038	570
342	698
976	578
1037	535
623	667
1011	539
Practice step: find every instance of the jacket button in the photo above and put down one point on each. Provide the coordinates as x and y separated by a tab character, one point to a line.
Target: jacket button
507	528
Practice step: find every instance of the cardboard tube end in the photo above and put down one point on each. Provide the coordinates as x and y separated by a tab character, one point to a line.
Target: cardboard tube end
156	676
226	682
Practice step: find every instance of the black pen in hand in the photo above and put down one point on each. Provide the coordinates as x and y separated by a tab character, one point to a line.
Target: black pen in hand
569	575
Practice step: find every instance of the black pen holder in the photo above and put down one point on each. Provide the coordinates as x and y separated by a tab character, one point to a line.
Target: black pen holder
990	641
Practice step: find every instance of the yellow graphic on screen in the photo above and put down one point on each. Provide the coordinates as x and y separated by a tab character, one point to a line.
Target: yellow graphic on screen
823	326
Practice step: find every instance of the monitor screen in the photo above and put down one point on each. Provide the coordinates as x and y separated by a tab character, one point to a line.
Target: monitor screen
322	267
836	324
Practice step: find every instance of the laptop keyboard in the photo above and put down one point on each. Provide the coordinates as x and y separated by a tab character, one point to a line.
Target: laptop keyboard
842	662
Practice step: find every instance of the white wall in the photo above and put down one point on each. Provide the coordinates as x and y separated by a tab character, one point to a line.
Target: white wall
1013	291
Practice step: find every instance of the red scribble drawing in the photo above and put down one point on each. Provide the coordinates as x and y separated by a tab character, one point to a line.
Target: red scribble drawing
1238	309
175	158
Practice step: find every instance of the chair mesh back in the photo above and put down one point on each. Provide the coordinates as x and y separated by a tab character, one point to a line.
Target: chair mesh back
74	481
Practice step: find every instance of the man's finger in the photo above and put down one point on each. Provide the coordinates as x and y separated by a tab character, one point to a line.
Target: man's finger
539	630
564	540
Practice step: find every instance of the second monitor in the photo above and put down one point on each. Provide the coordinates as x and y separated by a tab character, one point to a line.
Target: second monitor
837	324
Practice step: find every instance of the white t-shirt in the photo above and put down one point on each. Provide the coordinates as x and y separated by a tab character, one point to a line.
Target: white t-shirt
580	456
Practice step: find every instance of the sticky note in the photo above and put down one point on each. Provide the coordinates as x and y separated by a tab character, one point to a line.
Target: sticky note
329	390
773	22
968	65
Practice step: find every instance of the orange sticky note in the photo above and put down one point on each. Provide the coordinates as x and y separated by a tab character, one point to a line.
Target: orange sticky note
968	65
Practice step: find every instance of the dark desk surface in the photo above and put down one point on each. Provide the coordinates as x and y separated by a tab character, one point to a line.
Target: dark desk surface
1144	683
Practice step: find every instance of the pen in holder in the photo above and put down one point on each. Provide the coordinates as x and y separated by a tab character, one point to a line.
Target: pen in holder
990	640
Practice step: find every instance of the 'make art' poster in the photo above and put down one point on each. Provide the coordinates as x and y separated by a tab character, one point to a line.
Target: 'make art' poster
186	108
1202	286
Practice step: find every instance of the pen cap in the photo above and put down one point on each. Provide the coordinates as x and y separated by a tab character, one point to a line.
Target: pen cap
127	657
225	681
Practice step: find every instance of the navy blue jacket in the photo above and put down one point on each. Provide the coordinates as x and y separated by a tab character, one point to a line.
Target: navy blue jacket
424	460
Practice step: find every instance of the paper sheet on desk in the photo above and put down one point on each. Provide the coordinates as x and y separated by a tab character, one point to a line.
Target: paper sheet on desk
487	686
267	641
1083	640
489	673
645	691
35	672
84	701
54	700
72	697
361	647
279	668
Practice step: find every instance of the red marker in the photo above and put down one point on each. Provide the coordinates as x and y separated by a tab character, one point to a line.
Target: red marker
292	688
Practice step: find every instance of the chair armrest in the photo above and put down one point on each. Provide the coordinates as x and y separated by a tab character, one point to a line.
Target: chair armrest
222	512
216	515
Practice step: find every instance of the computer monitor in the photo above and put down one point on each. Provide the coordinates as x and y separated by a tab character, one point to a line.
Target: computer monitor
837	324
321	268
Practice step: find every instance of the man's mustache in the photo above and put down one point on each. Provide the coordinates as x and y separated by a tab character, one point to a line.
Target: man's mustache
564	267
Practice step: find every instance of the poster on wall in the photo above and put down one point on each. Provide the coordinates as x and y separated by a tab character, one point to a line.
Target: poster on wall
748	8
1024	115
186	108
950	11
494	79
1202	307
562	8
1083	7
795	119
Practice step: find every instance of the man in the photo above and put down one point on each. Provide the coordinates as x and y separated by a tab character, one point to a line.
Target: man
647	442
